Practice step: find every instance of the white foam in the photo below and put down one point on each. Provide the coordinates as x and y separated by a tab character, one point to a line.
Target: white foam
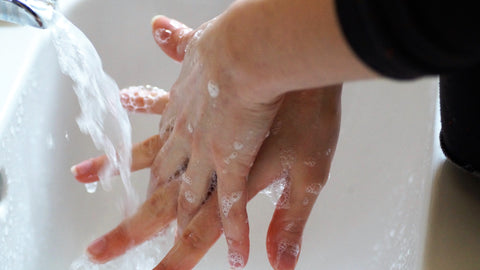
228	201
237	146
287	159
291	227
162	35
310	163
236	260
314	188
186	179
213	89
189	196
290	248
150	95
275	190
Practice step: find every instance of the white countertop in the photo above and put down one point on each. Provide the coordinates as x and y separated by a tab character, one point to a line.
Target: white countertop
15	52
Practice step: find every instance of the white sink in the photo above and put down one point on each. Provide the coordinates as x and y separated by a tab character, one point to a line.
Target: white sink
373	213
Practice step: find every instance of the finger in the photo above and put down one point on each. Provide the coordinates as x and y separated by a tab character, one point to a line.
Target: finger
284	237
144	99
232	204
165	166
196	182
151	218
196	239
143	154
171	35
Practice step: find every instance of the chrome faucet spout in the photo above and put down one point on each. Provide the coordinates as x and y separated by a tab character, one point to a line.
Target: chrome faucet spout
36	13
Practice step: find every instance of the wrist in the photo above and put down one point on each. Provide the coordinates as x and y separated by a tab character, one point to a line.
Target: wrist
277	46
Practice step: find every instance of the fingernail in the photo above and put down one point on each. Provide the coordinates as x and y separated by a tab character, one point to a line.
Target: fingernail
155	18
97	247
162	35
82	168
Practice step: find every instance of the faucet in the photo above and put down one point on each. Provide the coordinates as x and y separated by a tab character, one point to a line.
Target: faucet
36	13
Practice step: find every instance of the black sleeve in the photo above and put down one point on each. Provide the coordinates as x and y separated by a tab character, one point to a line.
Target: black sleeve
410	38
460	115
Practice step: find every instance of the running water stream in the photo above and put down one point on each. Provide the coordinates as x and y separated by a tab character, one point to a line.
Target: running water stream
106	121
102	115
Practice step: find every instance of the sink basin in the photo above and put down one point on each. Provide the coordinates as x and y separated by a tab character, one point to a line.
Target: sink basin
372	214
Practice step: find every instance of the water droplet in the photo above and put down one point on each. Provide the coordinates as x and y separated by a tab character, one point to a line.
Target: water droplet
91	187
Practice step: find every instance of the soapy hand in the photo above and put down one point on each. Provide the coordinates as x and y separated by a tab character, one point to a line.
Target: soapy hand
298	152
213	128
302	137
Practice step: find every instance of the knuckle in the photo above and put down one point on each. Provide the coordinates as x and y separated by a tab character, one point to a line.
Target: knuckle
151	208
232	242
181	124
151	145
218	155
192	239
293	227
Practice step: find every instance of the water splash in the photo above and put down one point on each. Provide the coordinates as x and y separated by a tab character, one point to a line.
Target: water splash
102	115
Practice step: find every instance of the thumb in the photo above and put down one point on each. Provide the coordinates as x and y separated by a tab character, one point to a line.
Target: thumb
171	35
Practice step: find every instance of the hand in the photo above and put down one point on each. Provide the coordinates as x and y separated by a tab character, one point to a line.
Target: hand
299	149
236	70
213	127
292	152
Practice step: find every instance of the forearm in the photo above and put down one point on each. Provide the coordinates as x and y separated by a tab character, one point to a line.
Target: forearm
282	45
